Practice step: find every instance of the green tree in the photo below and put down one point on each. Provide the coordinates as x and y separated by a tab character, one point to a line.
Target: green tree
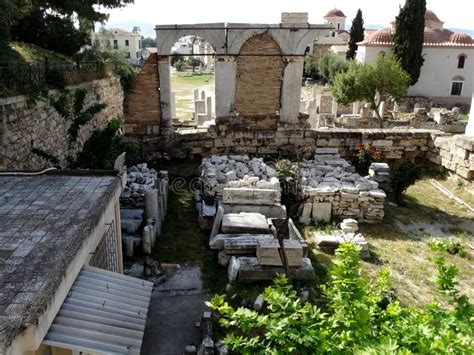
357	35
59	25
330	64
363	81
194	62
148	42
408	38
310	67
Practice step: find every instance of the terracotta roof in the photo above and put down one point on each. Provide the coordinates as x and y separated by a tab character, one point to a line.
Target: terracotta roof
461	38
335	13
432	37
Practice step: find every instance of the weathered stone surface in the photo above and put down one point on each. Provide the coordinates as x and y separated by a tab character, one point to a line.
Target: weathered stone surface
245	245
269	211
268	252
251	196
321	212
247	269
217	222
245	223
218	241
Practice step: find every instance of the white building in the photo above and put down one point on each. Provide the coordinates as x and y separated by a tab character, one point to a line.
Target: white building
204	51
337	41
128	42
447	72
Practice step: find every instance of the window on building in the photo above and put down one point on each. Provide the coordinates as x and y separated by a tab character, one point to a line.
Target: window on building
138	54
127	43
139	44
338	25
127	55
115	44
456	88
461	61
334	34
107	43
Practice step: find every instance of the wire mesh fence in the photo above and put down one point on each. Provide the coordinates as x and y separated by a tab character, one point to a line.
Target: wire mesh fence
20	77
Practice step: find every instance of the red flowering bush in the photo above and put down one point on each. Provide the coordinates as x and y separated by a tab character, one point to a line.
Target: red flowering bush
367	155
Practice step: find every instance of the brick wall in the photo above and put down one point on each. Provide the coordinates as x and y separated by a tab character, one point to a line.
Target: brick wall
142	104
259	79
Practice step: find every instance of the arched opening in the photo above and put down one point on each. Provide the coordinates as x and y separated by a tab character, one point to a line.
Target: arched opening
192	82
461	61
259	82
457	86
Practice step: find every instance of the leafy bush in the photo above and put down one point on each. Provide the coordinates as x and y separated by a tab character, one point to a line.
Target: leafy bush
111	59
102	148
402	176
367	155
452	247
358	317
179	65
331	64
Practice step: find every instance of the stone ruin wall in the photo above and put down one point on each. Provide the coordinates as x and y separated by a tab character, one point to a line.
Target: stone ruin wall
27	124
419	145
141	107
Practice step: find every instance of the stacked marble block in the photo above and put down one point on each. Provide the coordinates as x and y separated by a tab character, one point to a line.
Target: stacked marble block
334	189
379	172
240	184
143	206
347	234
247	243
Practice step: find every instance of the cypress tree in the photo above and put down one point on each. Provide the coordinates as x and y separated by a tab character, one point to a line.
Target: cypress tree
357	35
408	38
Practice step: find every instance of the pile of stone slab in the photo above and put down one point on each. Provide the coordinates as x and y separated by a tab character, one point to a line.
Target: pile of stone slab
236	171
143	206
333	188
347	234
238	184
444	116
379	172
247	243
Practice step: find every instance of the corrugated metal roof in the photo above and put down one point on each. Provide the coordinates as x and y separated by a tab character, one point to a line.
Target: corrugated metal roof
104	312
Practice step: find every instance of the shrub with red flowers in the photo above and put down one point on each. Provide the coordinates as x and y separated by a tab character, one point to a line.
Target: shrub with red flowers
402	176
367	155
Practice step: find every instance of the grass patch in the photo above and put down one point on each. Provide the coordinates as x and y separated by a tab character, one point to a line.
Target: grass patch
27	52
188	79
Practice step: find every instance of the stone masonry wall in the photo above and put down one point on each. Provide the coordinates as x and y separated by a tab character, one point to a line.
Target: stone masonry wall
455	153
25	124
259	82
142	105
410	144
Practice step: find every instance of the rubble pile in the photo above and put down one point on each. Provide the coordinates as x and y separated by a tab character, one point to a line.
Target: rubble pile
444	116
347	234
236	171
334	189
143	206
379	172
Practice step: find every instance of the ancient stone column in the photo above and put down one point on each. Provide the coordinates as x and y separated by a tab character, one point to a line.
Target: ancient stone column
225	71
165	91
291	89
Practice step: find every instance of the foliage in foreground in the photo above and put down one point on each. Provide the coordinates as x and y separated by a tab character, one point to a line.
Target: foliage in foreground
358	317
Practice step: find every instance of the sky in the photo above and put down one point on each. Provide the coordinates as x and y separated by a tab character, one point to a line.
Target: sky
455	13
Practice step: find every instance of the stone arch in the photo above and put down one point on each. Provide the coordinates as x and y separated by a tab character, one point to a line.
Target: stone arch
259	82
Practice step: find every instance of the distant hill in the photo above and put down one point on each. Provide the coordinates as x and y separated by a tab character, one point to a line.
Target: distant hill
463	30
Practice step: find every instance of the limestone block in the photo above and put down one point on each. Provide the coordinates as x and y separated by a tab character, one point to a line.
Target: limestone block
268	252
218	241
321	212
128	213
247	269
327	150
245	244
217	222
269	211
245	222
130	226
251	196
305	217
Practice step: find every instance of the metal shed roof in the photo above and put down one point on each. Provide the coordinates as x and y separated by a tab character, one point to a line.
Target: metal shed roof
104	313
